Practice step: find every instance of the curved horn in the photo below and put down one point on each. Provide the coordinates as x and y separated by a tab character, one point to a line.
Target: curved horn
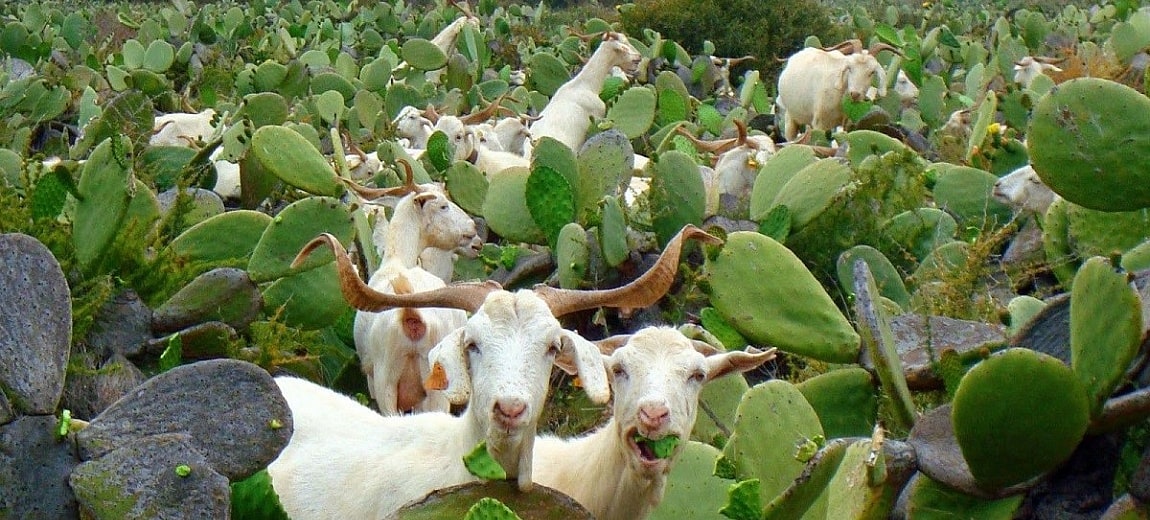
1048	60
846	47
717	146
642	292
431	114
409	185
878	47
731	62
466	296
586	37
485	114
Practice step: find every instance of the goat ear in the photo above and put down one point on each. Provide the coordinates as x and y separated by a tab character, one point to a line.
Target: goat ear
451	354
609	345
720	365
422	198
588	362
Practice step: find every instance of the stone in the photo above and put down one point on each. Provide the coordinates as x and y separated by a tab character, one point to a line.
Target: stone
6	412
232	409
35	325
34	468
123	326
915	336
92	388
1049	330
155	477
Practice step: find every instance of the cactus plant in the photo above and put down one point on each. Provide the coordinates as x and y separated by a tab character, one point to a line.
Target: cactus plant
634	111
718	403
550	201
877	337
605	163
887	278
692	490
926	498
766	313
548	73
293	227
613	232
812	190
845	401
216	240
774	174
1068	138
571	255
677	195
105	190
1105	328
289	156
308	300
557	156
920	231
225	294
1017	415
505	207
965	193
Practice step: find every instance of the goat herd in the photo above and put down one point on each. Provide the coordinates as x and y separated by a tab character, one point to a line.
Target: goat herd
425	344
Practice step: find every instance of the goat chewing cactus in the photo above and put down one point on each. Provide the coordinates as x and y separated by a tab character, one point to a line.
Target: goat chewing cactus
1073	137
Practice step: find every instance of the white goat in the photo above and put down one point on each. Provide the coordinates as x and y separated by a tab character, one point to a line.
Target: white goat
180	129
344	461
1024	191
413	126
568	114
1029	67
814	81
738	163
512	134
393	344
723	86
656	377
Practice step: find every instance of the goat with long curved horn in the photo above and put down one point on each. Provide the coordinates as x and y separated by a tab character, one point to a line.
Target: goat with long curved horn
366	193
851	46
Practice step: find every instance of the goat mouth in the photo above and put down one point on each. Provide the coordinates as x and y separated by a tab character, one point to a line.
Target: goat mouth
650	451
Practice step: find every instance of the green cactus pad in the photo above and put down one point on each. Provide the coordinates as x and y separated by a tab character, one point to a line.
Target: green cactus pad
293	227
964	192
1105	328
376	74
887	278
677	195
981	123
227	236
1101	233
50	193
1056	242
613	233
672	105
778	170
439	153
481	464
265	108
812	190
269	75
864	143
550	201
548	73
553	154
721	396
920	231
1018	415
105	189
772	419
227	295
505	207
289	156
309	300
692	490
571	255
806	495
467	186
743	500
1071	138
606	161
1137	258
874	326
713	321
254	498
852	494
768	313
488	508
929	499
634	111
1022	309
328	81
845	401
422	54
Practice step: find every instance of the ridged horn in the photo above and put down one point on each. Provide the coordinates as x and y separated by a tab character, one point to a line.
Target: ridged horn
642	292
485	114
365	193
717	146
466	296
878	47
847	46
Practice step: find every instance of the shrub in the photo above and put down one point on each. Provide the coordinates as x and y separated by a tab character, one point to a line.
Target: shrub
766	30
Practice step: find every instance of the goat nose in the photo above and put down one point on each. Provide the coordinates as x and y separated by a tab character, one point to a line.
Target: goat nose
654	416
510	408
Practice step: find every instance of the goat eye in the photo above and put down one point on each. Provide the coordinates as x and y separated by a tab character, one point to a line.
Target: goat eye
472	347
698	376
619	372
553	349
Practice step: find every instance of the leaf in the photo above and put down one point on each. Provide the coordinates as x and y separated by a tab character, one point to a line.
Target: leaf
488	508
743	502
855	110
480	463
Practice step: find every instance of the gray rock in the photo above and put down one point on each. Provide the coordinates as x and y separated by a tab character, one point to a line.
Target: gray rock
142	480
122	326
916	336
92	386
34	468
1049	330
35	324
225	294
6	412
232	409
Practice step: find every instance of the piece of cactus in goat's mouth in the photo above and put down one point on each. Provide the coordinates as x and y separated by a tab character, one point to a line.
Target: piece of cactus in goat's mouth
1089	139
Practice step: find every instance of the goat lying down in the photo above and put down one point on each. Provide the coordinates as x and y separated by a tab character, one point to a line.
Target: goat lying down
345	461
656	376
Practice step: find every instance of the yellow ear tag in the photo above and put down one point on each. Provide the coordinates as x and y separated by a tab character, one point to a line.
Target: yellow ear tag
437	379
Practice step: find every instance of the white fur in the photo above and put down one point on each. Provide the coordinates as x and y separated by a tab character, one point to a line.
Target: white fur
814	81
737	168
180	129
1024	191
656	378
1028	68
568	114
411	125
345	461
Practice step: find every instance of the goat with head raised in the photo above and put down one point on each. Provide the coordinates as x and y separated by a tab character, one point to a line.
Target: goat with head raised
656	376
499	361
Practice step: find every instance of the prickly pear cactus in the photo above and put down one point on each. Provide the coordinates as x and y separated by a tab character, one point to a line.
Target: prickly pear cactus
1105	328
1056	242
965	193
920	231
846	401
764	313
1017	415
677	195
105	187
1071	138
693	491
721	396
887	278
775	174
293	227
926	497
550	201
812	190
553	154
605	161
613	232
505	207
289	156
874	327
572	255
309	300
864	143
634	111
772	421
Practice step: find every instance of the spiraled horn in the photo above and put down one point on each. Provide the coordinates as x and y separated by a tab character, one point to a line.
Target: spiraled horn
1048	60
409	185
717	146
731	62
846	47
466	296
586	37
431	114
485	114
642	292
